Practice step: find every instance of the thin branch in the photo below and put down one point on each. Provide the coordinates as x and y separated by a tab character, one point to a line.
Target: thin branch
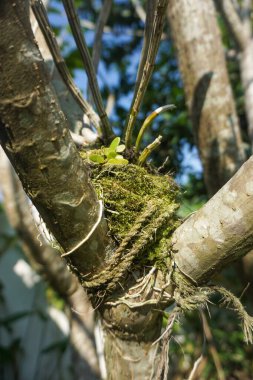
102	20
42	19
211	347
195	368
110	103
234	22
153	32
75	26
139	10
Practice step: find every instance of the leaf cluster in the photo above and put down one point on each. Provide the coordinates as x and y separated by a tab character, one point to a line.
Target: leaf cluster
110	155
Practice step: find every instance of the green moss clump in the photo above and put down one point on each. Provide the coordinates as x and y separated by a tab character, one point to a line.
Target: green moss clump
128	192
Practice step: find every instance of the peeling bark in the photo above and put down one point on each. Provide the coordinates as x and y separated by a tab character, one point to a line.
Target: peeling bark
208	92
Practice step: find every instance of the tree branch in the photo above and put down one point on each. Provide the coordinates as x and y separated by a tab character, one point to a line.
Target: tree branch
83	49
156	12
69	105
45	157
220	232
41	16
102	20
47	262
139	10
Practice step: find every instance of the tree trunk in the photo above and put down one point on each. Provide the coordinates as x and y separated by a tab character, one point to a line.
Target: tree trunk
47	262
208	92
36	139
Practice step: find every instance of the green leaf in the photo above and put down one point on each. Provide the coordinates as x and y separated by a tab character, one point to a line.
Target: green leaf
97	158
115	142
111	154
115	161
107	151
120	148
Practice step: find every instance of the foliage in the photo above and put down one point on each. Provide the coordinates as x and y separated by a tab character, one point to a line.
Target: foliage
110	155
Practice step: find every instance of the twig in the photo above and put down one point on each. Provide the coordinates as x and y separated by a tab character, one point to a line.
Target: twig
148	121
156	12
195	367
244	290
75	26
102	19
139	10
42	19
148	150
110	103
212	348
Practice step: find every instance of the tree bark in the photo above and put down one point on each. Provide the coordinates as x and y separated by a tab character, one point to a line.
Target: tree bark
47	262
208	92
36	139
220	232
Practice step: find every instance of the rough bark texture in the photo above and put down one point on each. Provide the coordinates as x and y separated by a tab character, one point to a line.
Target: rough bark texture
36	139
220	232
208	92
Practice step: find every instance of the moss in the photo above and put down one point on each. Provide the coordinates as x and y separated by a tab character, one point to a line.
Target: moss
127	192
